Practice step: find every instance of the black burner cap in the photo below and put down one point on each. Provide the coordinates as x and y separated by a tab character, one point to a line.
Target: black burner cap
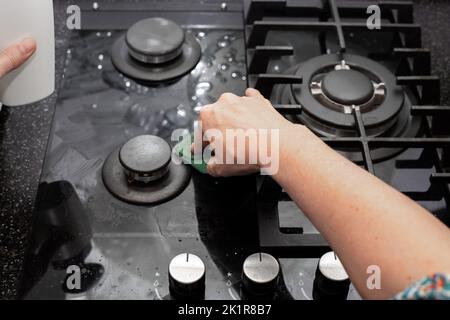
145	154
347	87
142	172
156	51
155	40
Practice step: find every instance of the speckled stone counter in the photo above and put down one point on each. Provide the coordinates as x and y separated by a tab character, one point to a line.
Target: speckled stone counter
24	133
23	139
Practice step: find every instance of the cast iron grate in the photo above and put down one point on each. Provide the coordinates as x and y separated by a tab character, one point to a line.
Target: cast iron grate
415	74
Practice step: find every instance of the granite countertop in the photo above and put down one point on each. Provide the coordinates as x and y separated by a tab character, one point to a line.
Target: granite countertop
24	133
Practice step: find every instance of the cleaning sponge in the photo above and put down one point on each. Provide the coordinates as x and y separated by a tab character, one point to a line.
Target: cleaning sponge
184	151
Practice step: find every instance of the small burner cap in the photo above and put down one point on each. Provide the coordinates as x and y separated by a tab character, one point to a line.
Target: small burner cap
155	40
347	87
142	172
153	73
145	154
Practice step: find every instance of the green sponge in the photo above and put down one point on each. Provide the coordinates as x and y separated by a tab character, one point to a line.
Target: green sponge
183	150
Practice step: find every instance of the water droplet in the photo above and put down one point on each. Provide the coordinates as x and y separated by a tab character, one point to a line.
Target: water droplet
181	112
198	108
202	87
201	34
229	57
224	67
236	74
223	43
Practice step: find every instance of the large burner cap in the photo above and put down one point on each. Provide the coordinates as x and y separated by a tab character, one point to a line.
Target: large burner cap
347	87
155	40
145	154
388	117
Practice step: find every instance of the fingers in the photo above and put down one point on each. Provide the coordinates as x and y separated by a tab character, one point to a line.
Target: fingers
14	56
205	111
253	93
212	167
229	170
228	98
250	92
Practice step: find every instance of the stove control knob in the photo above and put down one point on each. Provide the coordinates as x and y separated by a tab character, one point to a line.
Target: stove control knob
260	274
187	276
331	281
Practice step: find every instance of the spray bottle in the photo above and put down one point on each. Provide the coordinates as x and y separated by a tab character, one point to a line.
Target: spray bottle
35	79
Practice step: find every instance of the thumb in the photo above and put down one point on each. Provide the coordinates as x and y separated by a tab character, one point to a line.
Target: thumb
15	55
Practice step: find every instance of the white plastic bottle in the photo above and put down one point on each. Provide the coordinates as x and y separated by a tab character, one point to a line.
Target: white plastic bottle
35	79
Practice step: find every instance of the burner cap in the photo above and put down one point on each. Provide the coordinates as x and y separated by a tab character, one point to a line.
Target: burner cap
141	172
347	87
386	113
156	51
146	156
155	40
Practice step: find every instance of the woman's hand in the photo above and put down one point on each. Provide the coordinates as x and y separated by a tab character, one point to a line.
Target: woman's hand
361	217
15	55
251	114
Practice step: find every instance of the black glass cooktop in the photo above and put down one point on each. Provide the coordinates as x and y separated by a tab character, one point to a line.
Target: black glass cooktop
123	251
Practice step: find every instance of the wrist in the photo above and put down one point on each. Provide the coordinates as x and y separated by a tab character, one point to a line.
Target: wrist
293	142
282	143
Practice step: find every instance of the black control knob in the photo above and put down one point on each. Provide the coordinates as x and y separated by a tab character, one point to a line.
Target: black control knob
187	277
331	281
260	274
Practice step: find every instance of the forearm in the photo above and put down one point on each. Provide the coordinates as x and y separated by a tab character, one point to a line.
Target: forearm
365	221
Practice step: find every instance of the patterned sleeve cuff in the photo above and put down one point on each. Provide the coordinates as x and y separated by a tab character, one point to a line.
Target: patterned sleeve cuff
436	287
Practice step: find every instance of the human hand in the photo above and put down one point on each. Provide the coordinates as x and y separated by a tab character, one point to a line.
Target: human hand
15	55
254	121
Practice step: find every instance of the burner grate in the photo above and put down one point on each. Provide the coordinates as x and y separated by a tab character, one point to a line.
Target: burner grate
413	72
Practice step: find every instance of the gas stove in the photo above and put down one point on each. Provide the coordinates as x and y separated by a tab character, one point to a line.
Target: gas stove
137	229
